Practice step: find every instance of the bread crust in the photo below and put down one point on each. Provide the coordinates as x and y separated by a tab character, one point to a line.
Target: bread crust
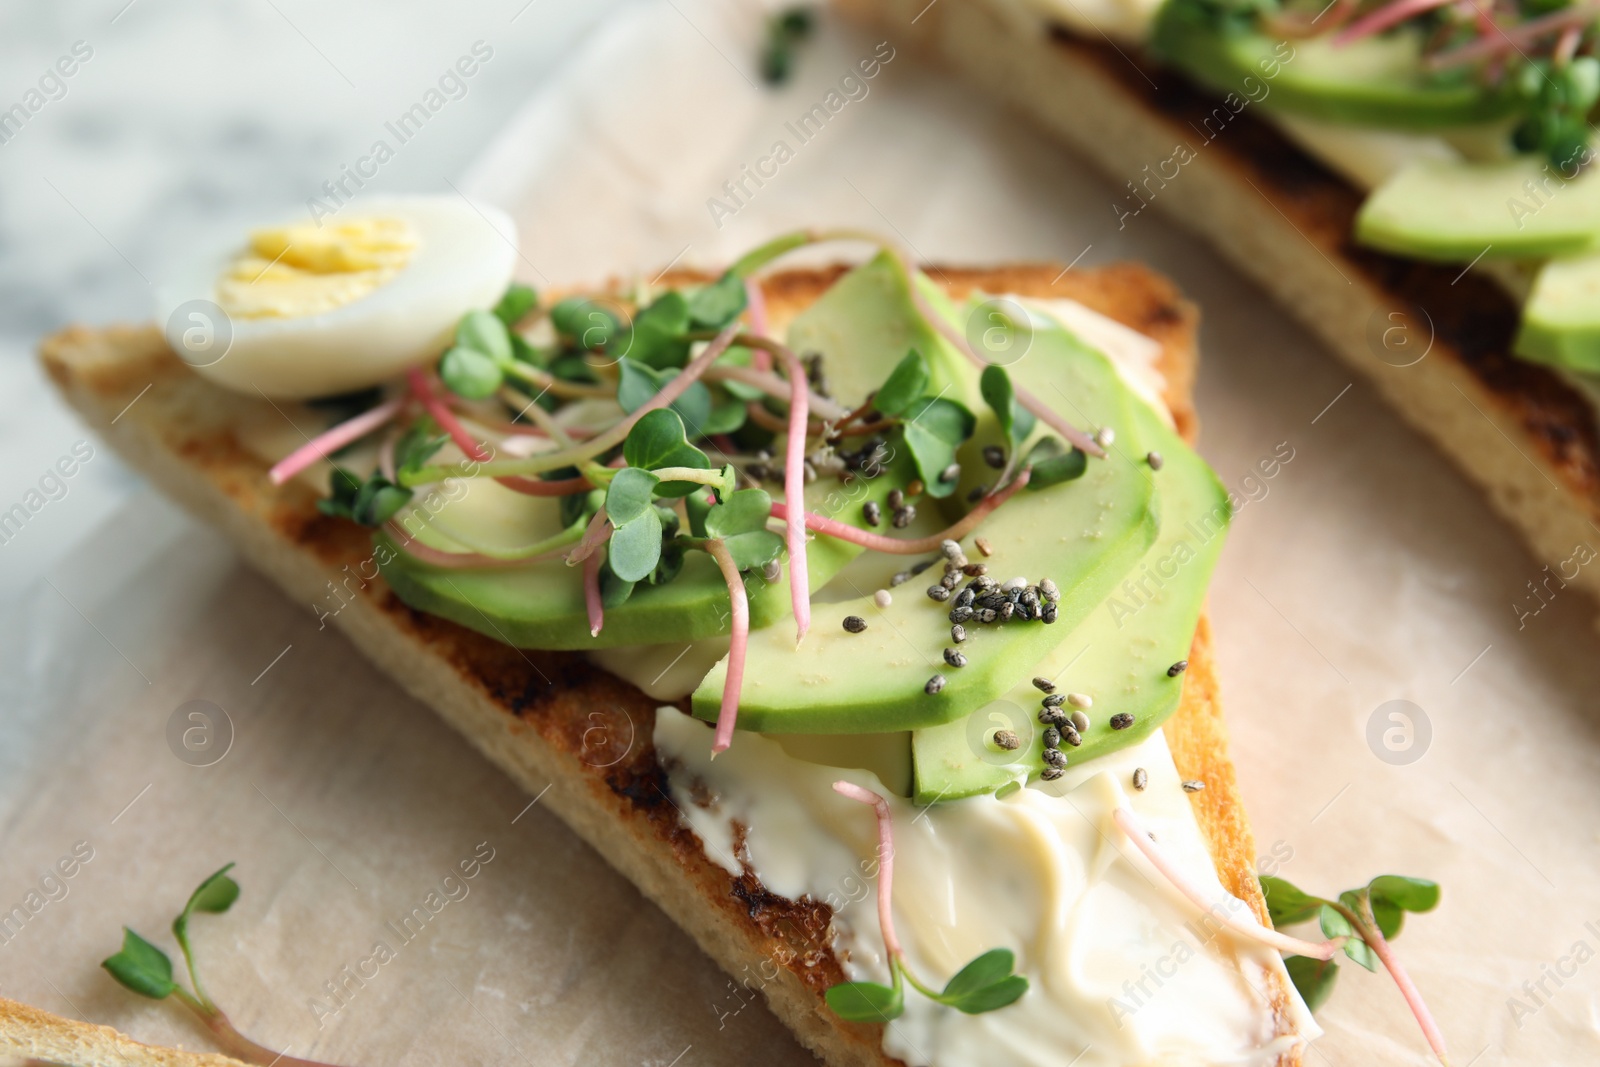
534	714
1516	428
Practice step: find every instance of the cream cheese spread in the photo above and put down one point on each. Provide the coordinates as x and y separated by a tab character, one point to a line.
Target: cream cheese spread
1123	970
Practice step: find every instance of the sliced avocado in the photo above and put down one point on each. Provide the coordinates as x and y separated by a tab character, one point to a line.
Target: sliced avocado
1120	655
1082	534
864	325
1458	211
1377	81
1561	320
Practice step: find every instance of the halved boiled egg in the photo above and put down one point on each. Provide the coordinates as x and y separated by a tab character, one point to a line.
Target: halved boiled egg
319	308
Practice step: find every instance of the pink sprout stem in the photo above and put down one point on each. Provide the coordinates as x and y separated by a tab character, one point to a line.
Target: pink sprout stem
1408	989
1508	40
728	713
1128	824
891	943
1389	15
591	589
594	535
1043	412
333	439
909	546
794	490
756	307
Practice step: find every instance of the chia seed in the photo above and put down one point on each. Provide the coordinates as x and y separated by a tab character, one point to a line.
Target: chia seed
1049	591
961	614
1050	774
1104	436
964	598
1121	720
1055	757
1006	610
1014	585
950	580
1044	685
950	473
977	493
938	593
1080	721
872	512
954	658
882	598
903	516
854	624
759	472
994	456
1024	611
1141	778
1070	735
1177	668
1054	700
1052	717
983	584
897	499
1052	737
983	545
972	570
951	549
935	685
1080	700
914	487
1048	614
1007	739
1154	459
1192	786
987	615
958	633
771	571
900	578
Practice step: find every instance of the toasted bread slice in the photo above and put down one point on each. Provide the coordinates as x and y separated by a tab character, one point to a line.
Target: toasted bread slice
1516	428
532	713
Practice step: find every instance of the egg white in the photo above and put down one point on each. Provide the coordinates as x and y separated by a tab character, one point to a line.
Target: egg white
463	260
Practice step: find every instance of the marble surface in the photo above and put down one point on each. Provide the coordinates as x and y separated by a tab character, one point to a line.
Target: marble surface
186	113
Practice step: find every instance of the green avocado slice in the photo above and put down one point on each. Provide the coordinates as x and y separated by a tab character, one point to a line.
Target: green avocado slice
1377	81
864	324
1082	534
1561	320
1119	656
1459	211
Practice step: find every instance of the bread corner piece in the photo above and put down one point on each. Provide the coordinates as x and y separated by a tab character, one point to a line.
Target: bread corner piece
28	1035
532	713
1518	429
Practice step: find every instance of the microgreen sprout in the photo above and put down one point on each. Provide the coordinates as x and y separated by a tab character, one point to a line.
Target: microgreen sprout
785	31
142	968
910	546
1367	919
985	984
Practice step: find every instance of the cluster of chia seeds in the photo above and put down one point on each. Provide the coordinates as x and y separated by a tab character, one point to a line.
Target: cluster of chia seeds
986	601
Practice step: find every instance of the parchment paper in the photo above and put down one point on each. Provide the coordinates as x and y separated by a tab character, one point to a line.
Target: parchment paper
1362	571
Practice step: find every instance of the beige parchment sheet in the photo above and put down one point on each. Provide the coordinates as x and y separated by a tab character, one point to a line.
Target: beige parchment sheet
1363	571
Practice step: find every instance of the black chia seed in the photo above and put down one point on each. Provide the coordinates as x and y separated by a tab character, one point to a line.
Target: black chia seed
1055	757
995	456
1007	739
872	512
1192	786
854	624
1070	735
1053	717
1121	720
1177	668
935	684
1050	774
1141	778
938	592
1044	685
958	633
959	615
897	499
1054	700
954	658
903	516
1052	737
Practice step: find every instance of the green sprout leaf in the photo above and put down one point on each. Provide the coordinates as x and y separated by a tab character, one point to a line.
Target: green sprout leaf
698	505
741	524
417	446
658	440
785	31
739	356
141	967
1408	894
1016	421
639	383
470	373
215	895
635	547
1335	925
483	331
865	1002
518	300
372	502
629	495
1286	903
904	385
585	324
659	335
715	305
1057	469
985	984
933	430
726	417
1313	978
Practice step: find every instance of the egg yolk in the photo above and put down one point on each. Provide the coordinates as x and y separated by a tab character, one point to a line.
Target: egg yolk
293	271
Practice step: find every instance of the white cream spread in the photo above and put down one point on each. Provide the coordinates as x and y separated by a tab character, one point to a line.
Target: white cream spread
1123	970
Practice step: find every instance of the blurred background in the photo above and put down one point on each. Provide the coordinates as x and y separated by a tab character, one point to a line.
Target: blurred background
189	112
